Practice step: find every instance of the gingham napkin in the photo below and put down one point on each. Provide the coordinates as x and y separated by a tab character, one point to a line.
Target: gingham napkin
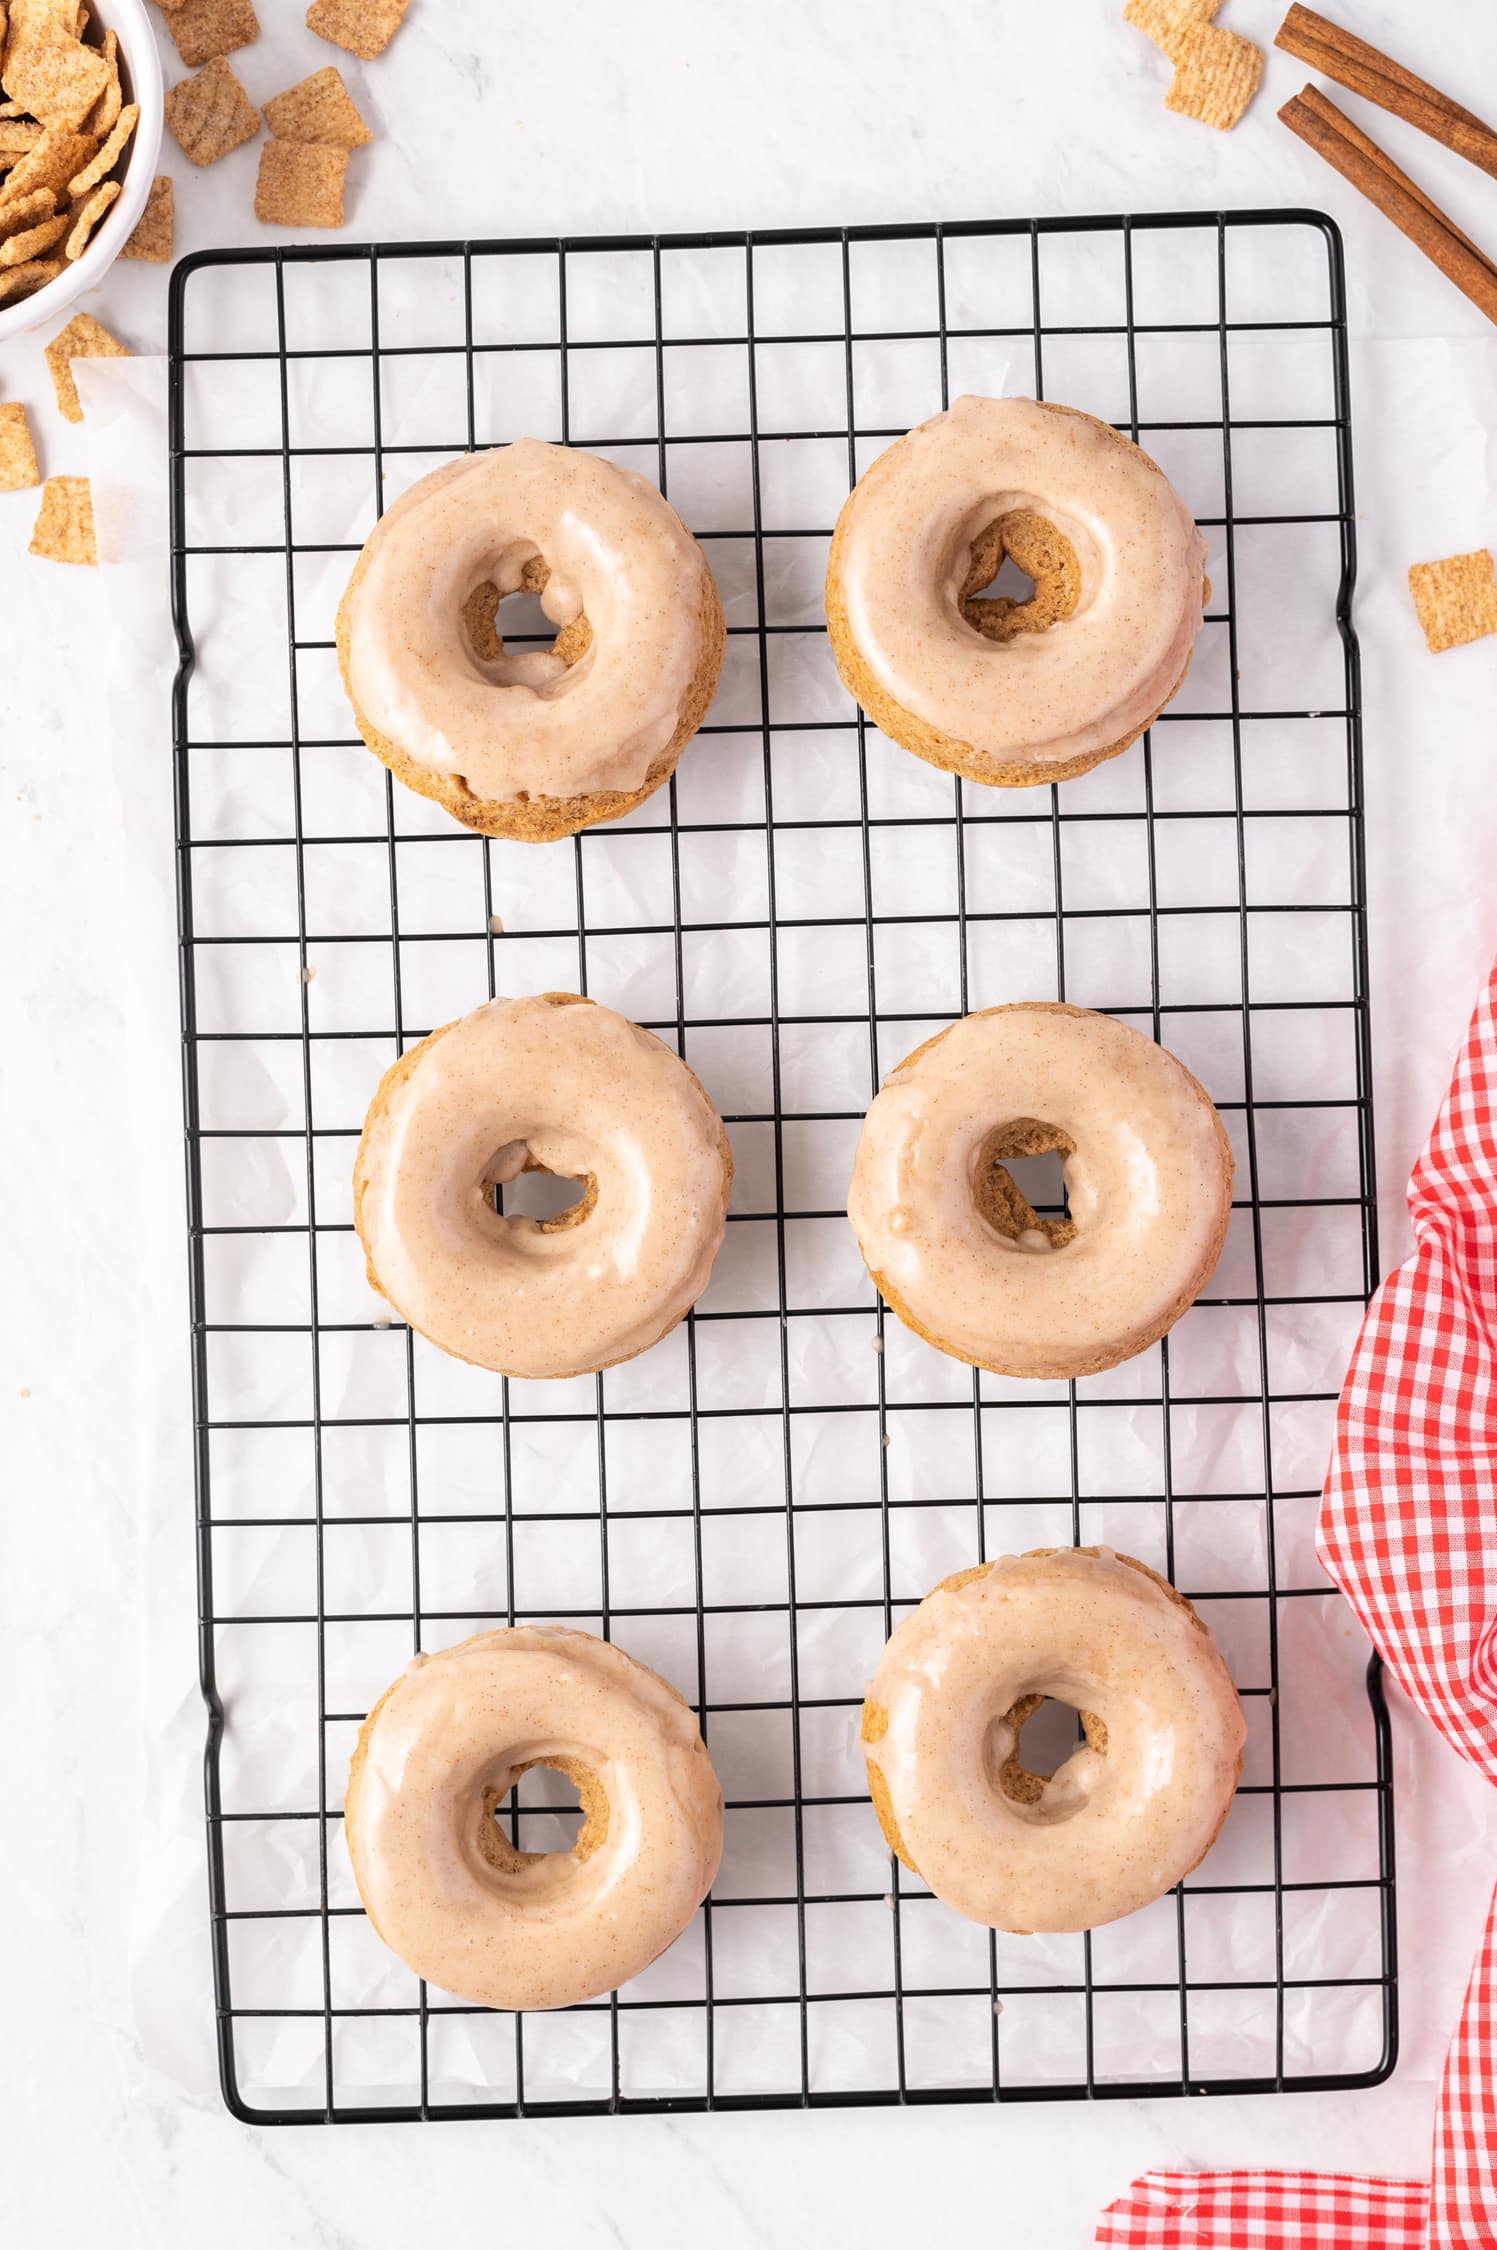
1408	1529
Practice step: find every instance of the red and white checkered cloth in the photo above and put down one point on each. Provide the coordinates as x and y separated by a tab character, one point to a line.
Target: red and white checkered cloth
1408	1529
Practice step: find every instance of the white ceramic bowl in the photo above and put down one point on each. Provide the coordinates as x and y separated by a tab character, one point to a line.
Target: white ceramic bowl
140	75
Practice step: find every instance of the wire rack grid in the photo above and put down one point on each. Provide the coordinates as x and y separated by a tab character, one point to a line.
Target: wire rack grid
753	1505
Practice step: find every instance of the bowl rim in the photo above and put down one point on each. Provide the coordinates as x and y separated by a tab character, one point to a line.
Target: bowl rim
131	21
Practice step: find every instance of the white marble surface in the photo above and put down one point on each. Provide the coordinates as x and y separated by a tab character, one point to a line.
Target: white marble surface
581	117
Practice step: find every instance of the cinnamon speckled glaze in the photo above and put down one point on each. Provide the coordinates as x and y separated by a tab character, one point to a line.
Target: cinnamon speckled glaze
533	743
1010	695
957	1250
440	1879
558	1084
1128	1814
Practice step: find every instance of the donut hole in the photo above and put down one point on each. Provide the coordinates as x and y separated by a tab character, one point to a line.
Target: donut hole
1033	1740
1019	1184
1011	584
513	629
551	1199
522	1187
527	1820
1022	577
509	621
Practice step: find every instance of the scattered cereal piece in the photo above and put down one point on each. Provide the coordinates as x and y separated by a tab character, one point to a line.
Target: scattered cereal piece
24	210
300	186
205	28
364	27
17	137
50	69
51	163
19	281
32	240
17	453
153	234
83	338
319	109
211	113
65	522
1456	599
1217	74
1169	23
86	215
108	156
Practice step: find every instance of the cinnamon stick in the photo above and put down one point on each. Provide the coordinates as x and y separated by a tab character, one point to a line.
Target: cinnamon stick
1327	47
1317	121
1325	108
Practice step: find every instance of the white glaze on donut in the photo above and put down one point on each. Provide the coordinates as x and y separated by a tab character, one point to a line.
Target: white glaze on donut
1109	1830
1149	1186
580	1092
524	724
1090	682
530	1930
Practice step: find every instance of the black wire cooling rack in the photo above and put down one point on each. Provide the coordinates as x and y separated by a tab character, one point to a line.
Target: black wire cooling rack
752	1505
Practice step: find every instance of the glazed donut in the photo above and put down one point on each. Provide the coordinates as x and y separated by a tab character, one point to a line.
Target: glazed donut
532	744
1128	1815
1007	692
553	1084
440	1880
959	1253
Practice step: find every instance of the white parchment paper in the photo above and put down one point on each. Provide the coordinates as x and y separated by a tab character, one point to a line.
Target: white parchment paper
1288	658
